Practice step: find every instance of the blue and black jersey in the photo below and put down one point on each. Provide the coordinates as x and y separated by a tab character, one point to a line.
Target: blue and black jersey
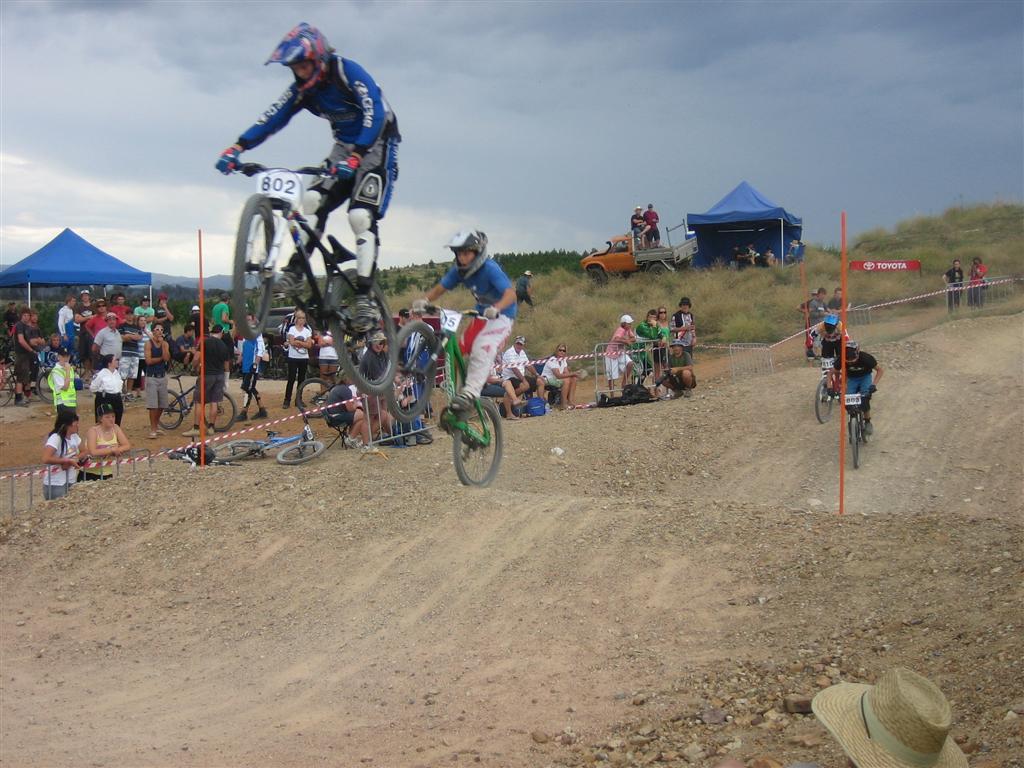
348	98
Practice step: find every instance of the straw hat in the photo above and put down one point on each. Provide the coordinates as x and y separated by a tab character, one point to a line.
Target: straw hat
902	722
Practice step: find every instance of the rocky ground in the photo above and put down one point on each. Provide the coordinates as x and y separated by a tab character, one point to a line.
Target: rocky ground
669	590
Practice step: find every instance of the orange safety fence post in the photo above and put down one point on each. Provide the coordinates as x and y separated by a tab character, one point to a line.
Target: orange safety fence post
202	360
842	368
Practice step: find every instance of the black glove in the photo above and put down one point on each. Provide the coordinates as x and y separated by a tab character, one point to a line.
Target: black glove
872	389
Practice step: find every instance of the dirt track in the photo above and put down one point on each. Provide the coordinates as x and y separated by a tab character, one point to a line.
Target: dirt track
680	558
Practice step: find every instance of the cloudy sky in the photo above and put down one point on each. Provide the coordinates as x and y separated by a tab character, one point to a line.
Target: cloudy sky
542	123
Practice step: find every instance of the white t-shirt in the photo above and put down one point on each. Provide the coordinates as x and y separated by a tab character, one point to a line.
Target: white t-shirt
513	360
56	475
65	315
295	353
107	381
555	364
327	351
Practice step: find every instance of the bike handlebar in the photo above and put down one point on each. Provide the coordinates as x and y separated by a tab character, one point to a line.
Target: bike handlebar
251	169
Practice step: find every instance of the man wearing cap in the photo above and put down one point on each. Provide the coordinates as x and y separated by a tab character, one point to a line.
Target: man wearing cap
161	303
524	291
107	340
373	367
652	236
518	371
636	225
903	721
617	362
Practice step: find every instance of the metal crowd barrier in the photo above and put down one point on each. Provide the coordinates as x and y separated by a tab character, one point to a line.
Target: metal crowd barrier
750	360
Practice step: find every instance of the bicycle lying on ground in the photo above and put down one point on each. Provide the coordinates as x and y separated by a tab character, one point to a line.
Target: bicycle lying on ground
827	392
270	214
179	405
297	449
476	434
855	425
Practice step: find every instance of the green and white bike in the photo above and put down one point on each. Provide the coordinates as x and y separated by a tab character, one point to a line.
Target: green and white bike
476	434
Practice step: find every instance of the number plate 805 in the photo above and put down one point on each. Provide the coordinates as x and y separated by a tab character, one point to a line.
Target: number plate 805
853	399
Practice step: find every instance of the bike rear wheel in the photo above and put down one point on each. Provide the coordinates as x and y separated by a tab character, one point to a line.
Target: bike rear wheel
241	449
6	385
477	464
252	244
419	372
822	402
174	413
226	411
300	453
312	394
341	299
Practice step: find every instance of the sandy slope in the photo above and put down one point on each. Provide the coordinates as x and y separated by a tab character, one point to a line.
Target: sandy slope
680	555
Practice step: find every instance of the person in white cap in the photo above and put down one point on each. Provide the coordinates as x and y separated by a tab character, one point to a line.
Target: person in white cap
524	291
617	362
903	721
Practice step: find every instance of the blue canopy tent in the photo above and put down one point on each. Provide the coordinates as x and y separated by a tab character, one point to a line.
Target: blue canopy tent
742	217
71	260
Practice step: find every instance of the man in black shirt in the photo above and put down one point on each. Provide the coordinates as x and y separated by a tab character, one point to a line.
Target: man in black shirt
216	358
954	277
859	369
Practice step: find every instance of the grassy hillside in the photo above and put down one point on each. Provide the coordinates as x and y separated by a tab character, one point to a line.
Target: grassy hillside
755	304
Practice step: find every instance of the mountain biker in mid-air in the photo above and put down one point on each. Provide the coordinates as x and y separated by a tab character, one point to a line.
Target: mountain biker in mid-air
495	301
859	369
830	333
363	164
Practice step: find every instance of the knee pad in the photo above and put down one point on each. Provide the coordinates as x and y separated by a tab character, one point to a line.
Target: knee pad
361	221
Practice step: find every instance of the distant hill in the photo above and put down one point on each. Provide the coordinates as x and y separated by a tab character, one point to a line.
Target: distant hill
210	283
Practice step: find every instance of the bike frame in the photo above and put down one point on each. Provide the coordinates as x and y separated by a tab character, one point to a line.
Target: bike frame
455	372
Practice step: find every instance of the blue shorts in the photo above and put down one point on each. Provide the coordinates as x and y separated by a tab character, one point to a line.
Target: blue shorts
858	384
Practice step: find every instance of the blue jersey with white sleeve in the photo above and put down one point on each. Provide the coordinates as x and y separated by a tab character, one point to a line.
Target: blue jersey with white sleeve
348	98
488	284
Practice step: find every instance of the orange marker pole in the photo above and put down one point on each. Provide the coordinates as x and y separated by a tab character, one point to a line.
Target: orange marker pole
842	370
202	360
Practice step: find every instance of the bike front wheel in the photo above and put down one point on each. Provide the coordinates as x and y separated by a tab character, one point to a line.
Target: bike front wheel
477	463
6	385
417	343
341	298
822	402
300	453
253	243
312	394
172	416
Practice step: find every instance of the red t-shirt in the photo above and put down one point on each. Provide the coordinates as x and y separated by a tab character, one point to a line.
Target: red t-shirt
651	218
95	323
122	311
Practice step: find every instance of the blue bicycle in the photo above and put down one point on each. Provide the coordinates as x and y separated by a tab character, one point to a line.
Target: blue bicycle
297	449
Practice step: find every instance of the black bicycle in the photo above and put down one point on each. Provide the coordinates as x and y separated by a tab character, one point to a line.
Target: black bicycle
270	214
179	405
855	424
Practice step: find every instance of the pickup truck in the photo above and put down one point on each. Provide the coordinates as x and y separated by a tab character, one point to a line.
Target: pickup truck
622	257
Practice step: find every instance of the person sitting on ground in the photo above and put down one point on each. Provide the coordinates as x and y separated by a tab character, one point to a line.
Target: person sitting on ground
617	362
558	376
859	369
157	354
106	441
61	455
372	367
517	369
106	386
61	380
185	346
903	721
344	408
679	378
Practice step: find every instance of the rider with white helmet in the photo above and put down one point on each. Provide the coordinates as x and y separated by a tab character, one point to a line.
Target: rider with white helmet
495	301
363	164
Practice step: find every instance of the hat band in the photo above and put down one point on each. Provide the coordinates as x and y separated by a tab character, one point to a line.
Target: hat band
881	735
